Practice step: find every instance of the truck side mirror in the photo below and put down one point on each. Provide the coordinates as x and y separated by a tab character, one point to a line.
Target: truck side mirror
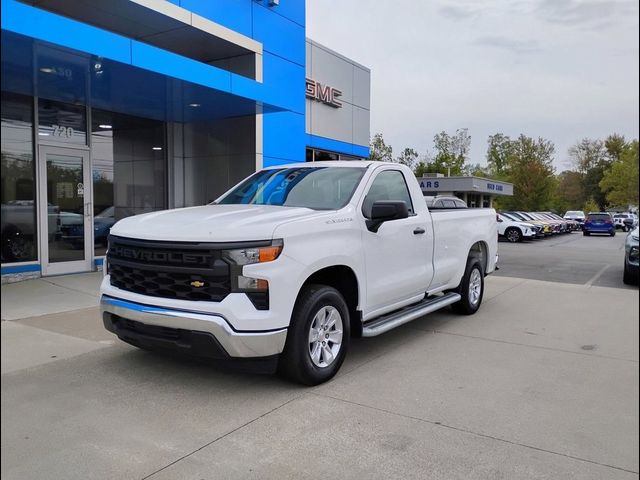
385	211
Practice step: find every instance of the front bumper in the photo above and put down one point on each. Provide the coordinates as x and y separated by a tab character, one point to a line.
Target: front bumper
186	332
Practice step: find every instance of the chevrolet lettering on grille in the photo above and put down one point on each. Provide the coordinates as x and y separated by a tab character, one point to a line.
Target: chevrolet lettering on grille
160	257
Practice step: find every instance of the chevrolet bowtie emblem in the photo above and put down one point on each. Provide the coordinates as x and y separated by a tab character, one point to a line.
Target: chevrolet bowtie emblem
197	284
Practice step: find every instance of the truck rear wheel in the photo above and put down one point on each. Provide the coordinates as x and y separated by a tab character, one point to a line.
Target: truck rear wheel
471	288
318	336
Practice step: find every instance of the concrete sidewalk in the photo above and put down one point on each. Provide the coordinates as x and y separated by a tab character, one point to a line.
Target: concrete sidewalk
532	386
44	296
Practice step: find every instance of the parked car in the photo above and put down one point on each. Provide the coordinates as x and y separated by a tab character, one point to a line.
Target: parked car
514	231
566	226
547	227
285	266
598	222
18	229
631	257
572	225
558	226
576	215
538	228
444	201
631	222
618	220
102	224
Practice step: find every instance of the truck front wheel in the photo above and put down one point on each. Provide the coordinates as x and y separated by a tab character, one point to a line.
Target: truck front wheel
318	336
471	288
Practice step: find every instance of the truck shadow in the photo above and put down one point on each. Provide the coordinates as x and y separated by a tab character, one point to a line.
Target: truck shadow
187	373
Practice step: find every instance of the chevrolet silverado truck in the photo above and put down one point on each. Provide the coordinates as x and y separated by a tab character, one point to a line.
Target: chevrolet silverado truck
283	269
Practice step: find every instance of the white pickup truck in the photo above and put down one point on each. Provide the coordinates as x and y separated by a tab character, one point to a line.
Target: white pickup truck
283	269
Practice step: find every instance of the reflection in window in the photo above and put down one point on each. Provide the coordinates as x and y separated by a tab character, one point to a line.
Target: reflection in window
18	180
388	185
129	169
61	122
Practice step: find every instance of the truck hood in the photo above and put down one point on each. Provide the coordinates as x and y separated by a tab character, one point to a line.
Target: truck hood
210	223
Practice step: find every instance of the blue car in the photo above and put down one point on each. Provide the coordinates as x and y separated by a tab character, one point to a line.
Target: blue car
598	222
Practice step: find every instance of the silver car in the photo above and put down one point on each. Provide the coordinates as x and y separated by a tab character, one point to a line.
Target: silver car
631	258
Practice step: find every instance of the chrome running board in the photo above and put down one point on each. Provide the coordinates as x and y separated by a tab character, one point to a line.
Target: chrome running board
392	320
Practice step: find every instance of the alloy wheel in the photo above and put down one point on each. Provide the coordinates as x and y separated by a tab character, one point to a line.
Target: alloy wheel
475	287
325	336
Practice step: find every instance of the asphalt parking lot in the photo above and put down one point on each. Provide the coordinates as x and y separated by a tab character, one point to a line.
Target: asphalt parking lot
572	258
541	383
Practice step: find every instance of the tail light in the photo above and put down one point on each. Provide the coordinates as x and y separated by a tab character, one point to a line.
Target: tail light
608	221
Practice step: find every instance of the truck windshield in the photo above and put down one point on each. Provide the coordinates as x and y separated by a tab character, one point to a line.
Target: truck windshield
319	188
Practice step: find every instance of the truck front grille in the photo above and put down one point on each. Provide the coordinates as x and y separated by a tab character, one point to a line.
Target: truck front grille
183	271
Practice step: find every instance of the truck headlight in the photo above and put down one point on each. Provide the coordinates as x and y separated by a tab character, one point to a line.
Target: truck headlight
257	289
251	255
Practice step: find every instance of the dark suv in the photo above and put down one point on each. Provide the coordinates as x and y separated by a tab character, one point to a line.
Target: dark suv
598	222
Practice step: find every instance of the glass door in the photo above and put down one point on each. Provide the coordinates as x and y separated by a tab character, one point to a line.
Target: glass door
65	207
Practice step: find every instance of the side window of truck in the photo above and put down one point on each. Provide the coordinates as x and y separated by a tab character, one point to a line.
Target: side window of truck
388	185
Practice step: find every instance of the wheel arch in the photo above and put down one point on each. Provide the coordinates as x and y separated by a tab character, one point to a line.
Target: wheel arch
480	250
343	279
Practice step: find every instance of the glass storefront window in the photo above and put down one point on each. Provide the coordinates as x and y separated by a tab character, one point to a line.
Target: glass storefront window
129	169
321	155
18	180
62	122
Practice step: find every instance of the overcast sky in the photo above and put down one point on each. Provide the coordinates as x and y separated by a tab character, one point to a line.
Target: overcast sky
560	69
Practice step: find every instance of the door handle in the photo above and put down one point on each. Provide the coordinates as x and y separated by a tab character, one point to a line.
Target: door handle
419	231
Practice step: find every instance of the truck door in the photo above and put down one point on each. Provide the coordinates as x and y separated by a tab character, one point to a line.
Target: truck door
397	256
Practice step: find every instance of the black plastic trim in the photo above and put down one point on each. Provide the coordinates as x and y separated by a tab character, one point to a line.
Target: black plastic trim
140	242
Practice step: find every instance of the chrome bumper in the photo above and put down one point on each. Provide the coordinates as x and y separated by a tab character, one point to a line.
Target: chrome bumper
236	344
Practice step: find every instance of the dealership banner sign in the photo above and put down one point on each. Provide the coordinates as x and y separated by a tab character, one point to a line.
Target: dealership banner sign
323	93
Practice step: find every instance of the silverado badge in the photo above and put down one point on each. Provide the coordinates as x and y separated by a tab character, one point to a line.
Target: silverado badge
197	284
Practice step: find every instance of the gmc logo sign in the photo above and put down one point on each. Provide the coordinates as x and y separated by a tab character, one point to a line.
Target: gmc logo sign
323	93
159	256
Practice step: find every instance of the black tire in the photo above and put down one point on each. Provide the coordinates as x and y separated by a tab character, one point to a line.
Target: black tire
295	361
465	306
613	234
585	233
513	235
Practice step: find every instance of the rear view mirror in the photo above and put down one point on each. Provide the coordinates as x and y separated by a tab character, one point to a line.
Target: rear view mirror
385	211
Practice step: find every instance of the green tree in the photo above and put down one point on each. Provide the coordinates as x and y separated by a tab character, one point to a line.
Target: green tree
452	152
590	206
476	170
408	157
569	191
591	158
529	167
379	150
421	168
615	145
499	151
620	180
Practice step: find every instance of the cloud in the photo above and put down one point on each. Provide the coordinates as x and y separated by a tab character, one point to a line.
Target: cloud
594	13
457	12
508	44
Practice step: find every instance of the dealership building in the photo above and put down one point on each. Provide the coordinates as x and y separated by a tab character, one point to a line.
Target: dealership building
120	107
477	192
